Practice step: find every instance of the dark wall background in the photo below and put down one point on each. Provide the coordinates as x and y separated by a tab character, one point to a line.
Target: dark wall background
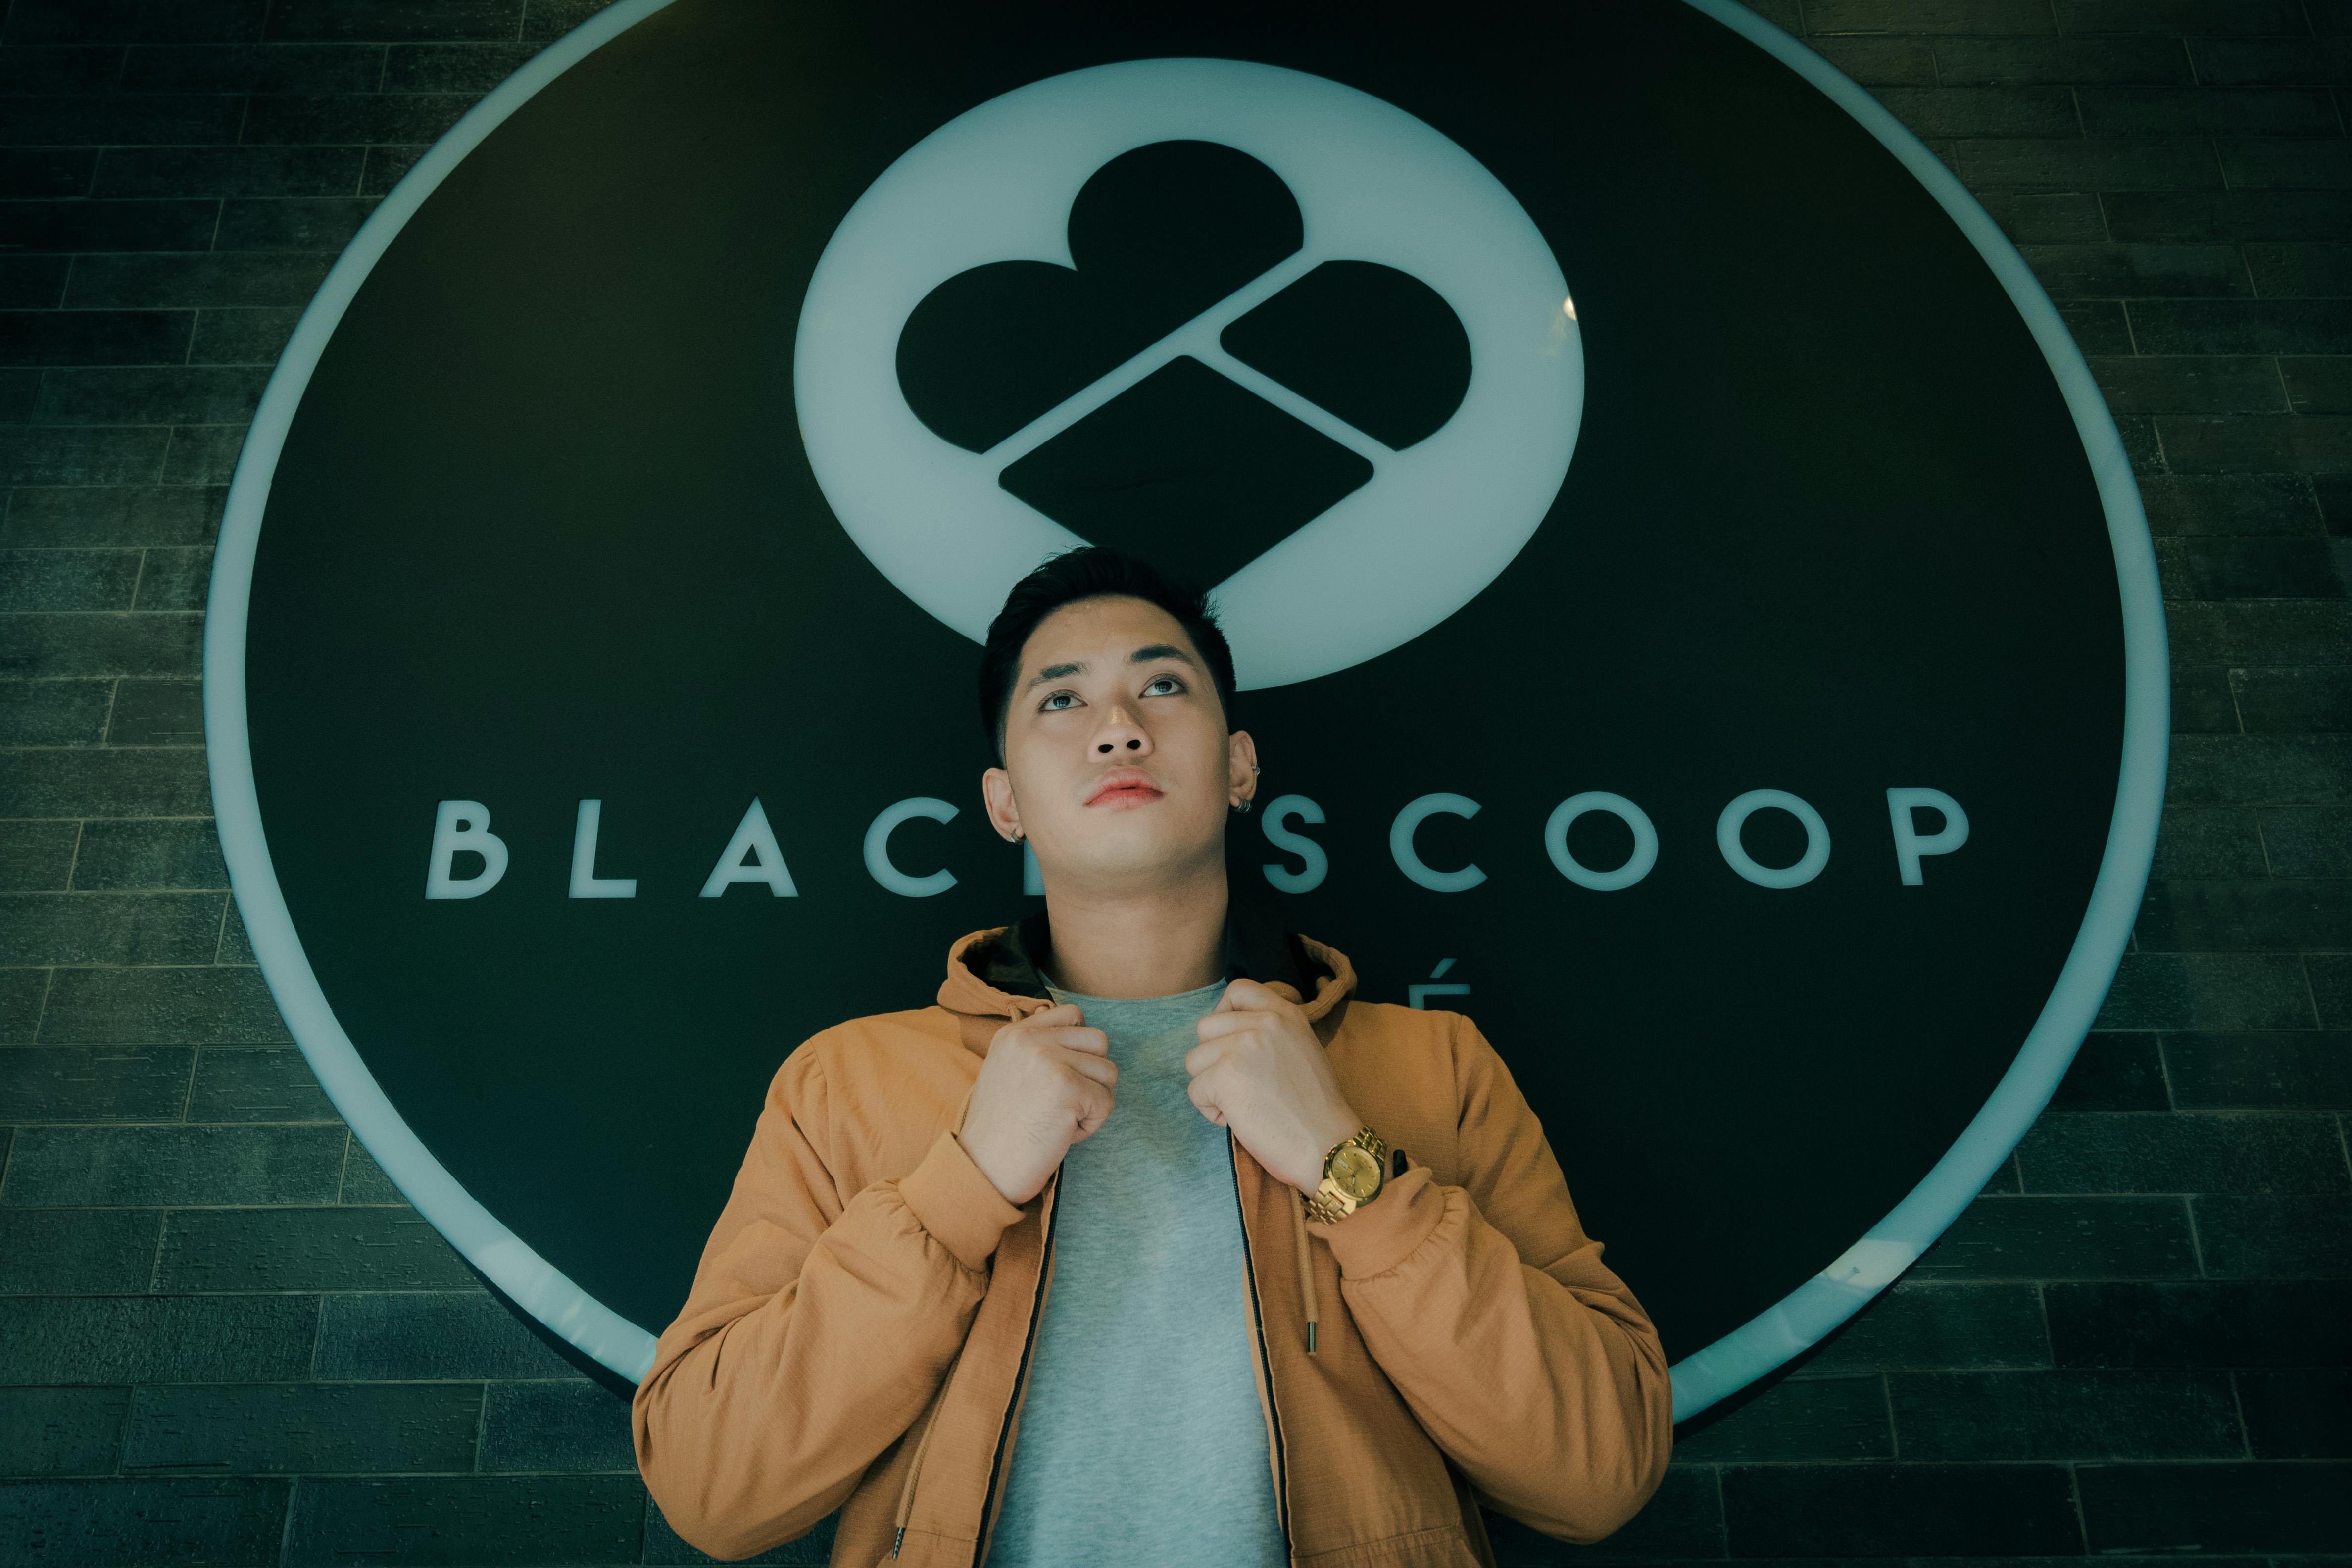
223	1337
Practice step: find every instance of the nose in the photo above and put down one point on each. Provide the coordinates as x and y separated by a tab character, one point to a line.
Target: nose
1121	735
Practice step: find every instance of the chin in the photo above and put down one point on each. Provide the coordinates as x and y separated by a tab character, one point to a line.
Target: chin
1122	848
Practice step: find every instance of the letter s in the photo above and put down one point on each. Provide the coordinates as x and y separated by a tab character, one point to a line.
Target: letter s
1310	876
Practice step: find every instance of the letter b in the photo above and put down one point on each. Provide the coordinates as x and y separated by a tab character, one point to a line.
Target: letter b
464	825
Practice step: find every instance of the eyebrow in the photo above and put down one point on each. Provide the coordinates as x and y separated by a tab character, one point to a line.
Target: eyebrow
1144	655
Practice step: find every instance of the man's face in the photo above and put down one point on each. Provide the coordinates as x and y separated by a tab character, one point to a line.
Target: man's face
1117	765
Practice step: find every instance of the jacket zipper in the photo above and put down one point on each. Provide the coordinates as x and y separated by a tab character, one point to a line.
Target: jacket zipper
922	1446
1264	1359
1019	1377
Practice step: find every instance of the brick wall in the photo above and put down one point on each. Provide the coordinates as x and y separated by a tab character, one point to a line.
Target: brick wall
223	1339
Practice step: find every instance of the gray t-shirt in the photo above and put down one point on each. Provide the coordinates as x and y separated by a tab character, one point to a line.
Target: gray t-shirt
1141	1438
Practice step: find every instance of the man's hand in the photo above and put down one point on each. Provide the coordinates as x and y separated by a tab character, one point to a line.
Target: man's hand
1045	1085
1260	1070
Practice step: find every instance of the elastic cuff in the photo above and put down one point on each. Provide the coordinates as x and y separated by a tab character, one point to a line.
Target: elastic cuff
952	1199
1383	1232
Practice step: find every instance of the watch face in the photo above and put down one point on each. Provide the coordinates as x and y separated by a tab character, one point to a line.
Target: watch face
1357	1173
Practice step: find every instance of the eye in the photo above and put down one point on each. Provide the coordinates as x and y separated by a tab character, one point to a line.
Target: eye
1057	701
1163	686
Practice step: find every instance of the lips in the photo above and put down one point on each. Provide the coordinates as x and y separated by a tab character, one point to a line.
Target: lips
1124	786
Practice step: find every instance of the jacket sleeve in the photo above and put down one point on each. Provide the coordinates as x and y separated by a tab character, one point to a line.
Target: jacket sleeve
1524	1357
819	1328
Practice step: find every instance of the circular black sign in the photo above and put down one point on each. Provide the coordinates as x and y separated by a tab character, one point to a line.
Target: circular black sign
1693	609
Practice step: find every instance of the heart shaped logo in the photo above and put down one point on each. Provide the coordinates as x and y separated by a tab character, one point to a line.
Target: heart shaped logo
1189	467
1271	332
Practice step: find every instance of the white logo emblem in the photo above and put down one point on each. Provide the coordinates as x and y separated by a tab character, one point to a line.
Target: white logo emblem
1441	513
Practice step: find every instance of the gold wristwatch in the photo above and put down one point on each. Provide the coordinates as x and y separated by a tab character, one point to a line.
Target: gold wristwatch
1353	1173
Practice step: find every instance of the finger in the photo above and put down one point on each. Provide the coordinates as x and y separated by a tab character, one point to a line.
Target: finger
1247	996
1202	1092
1204	1056
1060	1014
1078	1039
1093	1068
1095	1106
1218	1025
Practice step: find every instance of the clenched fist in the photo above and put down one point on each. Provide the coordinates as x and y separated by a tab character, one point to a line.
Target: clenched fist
1045	1085
1260	1070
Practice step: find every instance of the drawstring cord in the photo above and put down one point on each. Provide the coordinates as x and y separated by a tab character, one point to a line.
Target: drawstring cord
1306	1267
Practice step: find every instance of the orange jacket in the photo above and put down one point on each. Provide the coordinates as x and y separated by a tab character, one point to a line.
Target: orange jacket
858	1333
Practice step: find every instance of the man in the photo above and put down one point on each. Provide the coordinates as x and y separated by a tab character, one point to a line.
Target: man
1148	1242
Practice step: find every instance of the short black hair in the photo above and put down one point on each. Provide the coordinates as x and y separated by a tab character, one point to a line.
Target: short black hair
1091	572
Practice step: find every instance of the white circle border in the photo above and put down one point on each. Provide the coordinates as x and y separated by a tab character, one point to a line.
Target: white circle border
1787	1328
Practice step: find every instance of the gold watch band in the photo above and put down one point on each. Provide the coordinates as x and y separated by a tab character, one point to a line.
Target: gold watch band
1331	1202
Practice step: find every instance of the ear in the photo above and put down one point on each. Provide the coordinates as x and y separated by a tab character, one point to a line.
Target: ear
1241	780
1003	812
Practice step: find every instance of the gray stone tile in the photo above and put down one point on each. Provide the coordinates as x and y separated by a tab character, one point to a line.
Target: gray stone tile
1796	1418
36	857
2301	1415
2219	1507
2060	1415
2309	840
2201	1323
269	1083
364	1180
2205	1151
155	1339
276	1429
110	928
579	1426
478	1518
61	1431
191	1006
68	712
2297	1071
51	1252
340	1248
2299	1236
159	713
40	647
22	993
94	1083
1918	1324
435	1335
2063	1237
183	854
203	454
125	514
104	1523
2210	841
38	579
59	1167
2113	1072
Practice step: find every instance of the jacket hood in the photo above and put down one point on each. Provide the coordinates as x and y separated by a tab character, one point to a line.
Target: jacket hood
995	973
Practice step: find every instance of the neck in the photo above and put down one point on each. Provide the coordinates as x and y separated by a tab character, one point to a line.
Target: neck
1159	944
